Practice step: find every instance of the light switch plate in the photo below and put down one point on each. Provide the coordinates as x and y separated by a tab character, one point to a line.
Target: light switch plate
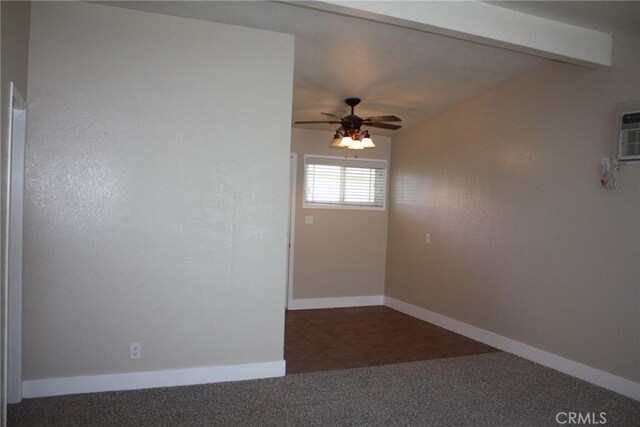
427	238
308	219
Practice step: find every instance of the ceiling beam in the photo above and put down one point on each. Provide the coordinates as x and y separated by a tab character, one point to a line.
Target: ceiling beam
484	23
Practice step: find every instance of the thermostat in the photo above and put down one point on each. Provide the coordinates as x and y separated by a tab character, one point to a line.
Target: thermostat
629	133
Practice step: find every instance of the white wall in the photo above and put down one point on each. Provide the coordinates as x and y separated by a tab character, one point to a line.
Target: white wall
524	242
342	254
156	192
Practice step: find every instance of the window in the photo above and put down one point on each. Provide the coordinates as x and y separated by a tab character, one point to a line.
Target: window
336	182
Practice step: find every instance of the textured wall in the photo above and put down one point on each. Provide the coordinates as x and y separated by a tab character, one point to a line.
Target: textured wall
343	253
156	195
524	242
15	55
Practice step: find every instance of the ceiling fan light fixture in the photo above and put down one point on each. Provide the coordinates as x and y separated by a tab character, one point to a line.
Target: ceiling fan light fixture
367	142
337	141
356	145
347	141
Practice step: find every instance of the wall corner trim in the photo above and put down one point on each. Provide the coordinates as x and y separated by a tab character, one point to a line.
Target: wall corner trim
313	303
151	379
587	373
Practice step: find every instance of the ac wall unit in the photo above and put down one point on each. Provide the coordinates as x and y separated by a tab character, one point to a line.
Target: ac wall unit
629	132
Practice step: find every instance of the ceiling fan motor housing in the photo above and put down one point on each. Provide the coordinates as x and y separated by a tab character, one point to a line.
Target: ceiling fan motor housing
351	122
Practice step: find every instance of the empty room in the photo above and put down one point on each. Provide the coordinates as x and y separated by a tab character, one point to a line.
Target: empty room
320	213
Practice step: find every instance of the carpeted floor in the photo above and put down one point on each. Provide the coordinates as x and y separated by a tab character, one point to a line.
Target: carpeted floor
489	389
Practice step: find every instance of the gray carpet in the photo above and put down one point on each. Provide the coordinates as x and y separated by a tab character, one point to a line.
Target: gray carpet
489	389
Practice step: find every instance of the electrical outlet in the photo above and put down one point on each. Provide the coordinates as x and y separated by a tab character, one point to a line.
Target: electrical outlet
308	219
135	350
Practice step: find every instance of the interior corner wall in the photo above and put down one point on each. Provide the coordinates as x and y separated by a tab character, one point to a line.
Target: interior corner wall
524	241
14	62
342	254
156	192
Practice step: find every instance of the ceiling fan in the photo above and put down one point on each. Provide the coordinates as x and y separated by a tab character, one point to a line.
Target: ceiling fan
349	134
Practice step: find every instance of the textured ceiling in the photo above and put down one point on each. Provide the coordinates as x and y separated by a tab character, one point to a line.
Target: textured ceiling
394	70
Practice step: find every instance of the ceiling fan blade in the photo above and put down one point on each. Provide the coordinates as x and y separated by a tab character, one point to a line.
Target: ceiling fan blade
332	115
303	123
382	119
382	125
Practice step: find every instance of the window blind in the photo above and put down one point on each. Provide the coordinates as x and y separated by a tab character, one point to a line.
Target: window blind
338	182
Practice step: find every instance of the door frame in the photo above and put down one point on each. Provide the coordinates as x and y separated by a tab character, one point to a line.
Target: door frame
13	189
293	180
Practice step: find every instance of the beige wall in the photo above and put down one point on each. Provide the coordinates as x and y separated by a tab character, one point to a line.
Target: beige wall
524	242
154	212
343	253
15	55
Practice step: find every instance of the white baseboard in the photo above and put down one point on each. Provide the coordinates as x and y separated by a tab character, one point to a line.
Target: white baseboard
151	379
312	303
587	373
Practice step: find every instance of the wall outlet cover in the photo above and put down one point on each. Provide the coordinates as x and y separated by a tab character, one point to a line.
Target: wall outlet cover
135	350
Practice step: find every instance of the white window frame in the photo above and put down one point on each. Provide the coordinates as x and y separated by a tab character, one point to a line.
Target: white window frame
385	190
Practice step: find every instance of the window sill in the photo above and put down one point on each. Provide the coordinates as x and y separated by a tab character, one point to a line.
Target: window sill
344	207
